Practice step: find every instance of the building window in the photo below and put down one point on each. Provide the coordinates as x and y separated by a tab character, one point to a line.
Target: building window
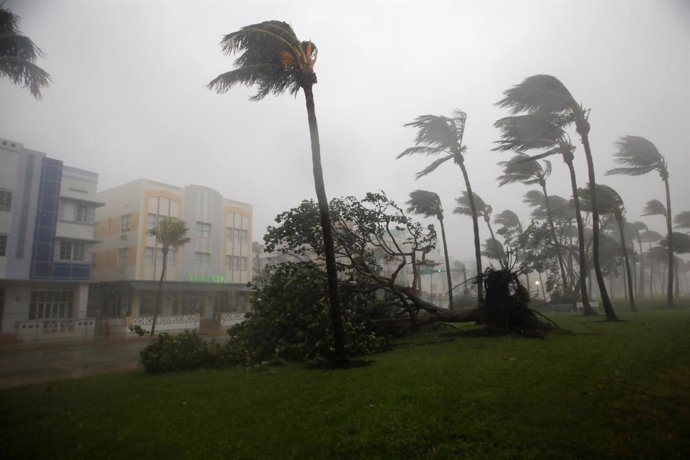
71	250
151	221
202	260
124	223
203	230
243	236
123	257
148	256
5	200
236	234
235	263
3	245
81	213
51	304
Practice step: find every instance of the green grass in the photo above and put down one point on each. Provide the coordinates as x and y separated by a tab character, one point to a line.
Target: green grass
593	390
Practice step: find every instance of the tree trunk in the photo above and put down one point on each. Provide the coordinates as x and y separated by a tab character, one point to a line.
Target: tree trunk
329	247
556	240
583	130
629	278
445	254
669	229
157	308
475	229
640	284
586	305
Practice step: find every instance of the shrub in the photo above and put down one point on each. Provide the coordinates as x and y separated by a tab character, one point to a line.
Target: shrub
183	352
290	319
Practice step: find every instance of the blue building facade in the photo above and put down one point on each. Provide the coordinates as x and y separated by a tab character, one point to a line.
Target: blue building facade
47	228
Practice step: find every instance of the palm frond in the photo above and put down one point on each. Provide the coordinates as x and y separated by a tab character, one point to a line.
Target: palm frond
529	131
432	167
654	208
538	93
464	207
650	236
256	74
425	203
435	131
507	218
520	168
25	73
636	156
18	54
608	200
270	57
639	226
682	220
423	150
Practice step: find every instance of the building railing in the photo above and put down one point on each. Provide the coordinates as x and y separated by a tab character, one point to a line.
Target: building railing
165	323
51	329
230	318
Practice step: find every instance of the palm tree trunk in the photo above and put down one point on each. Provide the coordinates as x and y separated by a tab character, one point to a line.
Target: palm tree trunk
445	254
329	247
157	308
475	229
669	229
586	305
629	278
556	240
603	293
640	284
415	273
651	272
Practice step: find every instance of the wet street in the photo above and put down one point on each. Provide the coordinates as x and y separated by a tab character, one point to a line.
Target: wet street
29	363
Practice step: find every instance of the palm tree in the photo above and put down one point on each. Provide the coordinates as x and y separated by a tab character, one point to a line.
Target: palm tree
525	170
275	60
170	234
682	220
610	202
439	135
484	210
637	156
428	204
546	96
18	54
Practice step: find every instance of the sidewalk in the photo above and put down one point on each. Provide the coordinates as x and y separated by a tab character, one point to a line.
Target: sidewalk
27	363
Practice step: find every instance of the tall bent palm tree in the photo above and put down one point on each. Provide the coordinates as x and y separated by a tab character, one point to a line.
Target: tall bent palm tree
428	204
610	202
275	60
18	54
538	131
545	95
637	156
439	135
170	234
526	170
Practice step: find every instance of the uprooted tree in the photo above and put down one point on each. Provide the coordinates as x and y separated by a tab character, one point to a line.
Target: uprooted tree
378	248
375	241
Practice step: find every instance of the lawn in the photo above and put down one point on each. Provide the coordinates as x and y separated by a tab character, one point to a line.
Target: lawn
591	390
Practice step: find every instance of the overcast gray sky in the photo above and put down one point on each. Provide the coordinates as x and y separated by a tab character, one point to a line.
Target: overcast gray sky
129	97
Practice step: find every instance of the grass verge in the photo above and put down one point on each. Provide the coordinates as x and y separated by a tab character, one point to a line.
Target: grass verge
592	390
